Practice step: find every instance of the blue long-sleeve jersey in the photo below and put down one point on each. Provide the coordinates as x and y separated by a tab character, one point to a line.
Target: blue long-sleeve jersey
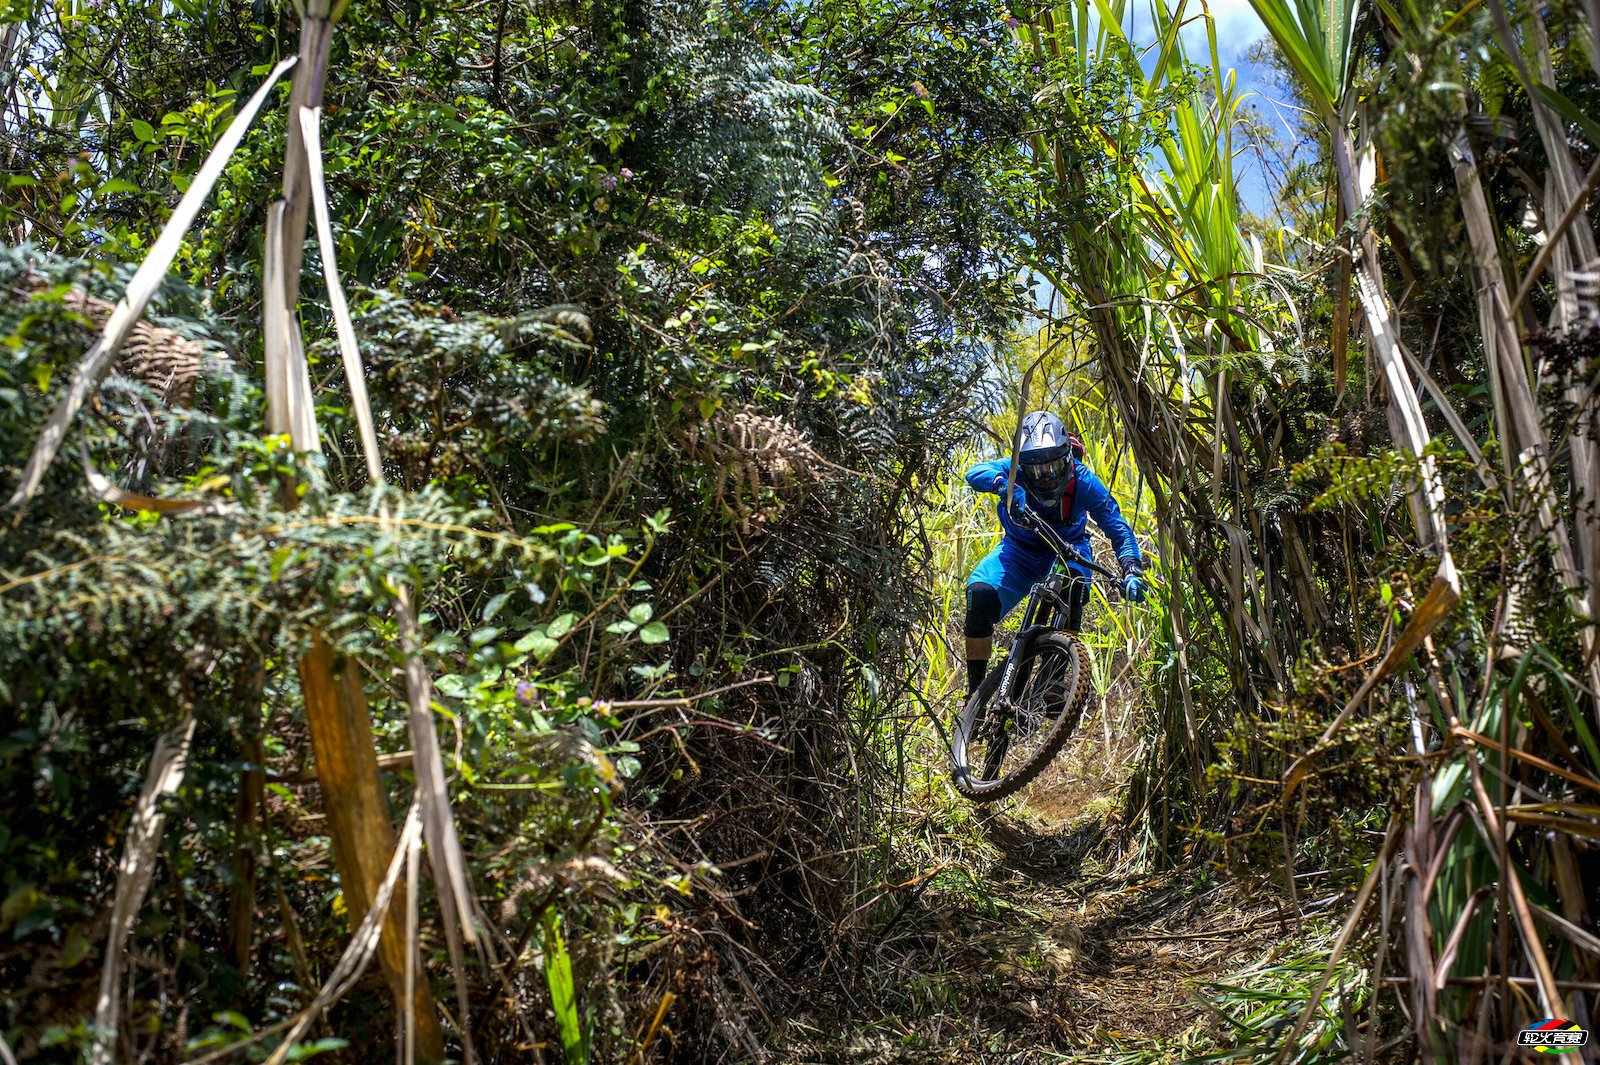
1092	499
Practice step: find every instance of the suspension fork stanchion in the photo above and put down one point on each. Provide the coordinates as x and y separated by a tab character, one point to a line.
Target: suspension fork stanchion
1079	591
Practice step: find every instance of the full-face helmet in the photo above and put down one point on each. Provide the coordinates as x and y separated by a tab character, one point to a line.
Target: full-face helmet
1047	456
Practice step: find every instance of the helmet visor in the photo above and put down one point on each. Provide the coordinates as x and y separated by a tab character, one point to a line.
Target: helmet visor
1046	477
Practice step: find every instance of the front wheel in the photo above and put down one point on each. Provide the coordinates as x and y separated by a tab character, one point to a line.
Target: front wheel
1001	745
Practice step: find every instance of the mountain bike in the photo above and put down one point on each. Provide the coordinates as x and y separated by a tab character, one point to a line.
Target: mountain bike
1027	706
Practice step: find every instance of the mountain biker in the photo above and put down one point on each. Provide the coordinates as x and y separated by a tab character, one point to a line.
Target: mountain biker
1056	485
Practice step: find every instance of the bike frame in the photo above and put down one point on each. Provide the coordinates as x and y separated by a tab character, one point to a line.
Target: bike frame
1045	594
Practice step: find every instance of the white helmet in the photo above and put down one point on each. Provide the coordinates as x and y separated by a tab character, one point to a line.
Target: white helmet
1047	455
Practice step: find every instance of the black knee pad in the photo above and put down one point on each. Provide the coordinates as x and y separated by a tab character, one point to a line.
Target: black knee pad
983	611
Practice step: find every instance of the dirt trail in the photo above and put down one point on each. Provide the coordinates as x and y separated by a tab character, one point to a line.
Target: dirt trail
1051	954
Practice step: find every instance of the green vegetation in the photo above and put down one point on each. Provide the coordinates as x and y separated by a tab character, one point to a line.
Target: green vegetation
534	444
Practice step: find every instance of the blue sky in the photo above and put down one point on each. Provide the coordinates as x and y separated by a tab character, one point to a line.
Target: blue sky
1238	27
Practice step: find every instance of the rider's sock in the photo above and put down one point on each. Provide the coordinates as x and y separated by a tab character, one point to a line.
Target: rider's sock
976	668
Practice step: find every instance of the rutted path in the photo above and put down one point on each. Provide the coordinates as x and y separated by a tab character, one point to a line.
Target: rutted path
1050	954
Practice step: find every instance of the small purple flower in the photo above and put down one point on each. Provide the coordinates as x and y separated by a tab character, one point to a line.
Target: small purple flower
1012	23
1035	69
525	692
920	89
626	173
608	181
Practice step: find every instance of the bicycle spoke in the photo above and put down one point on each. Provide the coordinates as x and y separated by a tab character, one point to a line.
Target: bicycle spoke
1038	703
1002	743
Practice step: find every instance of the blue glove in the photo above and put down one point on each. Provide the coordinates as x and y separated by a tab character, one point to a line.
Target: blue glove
1133	583
1013	505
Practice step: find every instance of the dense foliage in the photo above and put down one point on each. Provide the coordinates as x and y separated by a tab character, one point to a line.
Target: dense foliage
1375	480
659	406
675	316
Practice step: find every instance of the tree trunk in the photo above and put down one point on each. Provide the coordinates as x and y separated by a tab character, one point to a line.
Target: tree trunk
246	820
359	820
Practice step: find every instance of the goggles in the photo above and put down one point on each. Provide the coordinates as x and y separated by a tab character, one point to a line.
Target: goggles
1047	476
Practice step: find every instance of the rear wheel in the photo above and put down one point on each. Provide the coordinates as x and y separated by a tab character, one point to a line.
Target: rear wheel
1000	745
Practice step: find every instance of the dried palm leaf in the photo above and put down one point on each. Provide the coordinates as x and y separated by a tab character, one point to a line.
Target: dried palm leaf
1358	910
357	806
1570	245
141	289
363	944
1554	237
119	497
163	361
140	849
1576	935
344	328
749	451
1532	943
291	410
1442	597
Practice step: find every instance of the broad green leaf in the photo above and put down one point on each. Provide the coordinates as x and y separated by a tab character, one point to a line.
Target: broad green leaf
1316	38
1571	112
536	643
302	1051
563	994
655	632
493	606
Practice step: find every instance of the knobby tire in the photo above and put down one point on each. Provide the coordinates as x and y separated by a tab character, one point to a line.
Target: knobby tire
983	789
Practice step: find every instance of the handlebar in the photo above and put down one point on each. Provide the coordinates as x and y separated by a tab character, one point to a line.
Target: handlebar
1053	538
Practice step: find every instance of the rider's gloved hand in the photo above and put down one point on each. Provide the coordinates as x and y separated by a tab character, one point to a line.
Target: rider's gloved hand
1133	582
